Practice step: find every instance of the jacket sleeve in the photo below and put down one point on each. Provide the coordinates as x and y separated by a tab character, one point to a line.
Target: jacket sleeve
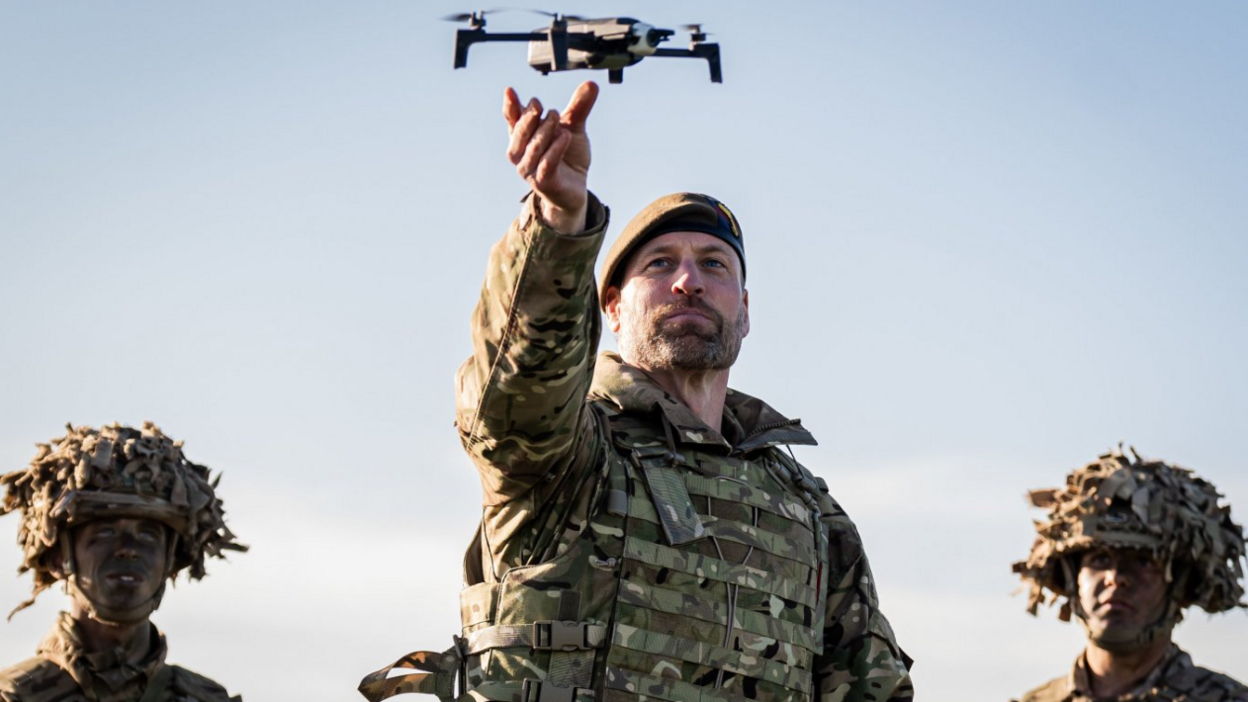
861	659
520	402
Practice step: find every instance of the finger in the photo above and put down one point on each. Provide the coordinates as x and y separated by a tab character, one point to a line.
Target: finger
541	141
511	107
547	167
528	123
580	105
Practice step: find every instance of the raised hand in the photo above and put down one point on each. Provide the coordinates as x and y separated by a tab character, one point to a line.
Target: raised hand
551	152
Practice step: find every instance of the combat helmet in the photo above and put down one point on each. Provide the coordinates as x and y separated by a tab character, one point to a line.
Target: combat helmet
115	471
1125	501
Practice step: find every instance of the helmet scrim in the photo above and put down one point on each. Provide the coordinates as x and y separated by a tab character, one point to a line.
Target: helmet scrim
115	471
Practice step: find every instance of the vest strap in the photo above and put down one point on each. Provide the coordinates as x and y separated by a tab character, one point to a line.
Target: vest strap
666	688
544	691
540	636
441	671
680	521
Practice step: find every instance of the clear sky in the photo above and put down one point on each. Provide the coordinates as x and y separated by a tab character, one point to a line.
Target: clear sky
987	241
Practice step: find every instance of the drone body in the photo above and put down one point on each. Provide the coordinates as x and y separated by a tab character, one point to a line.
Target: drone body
572	43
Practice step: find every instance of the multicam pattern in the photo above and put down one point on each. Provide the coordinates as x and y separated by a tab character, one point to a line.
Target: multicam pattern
1125	501
64	672
757	588
115	471
1175	678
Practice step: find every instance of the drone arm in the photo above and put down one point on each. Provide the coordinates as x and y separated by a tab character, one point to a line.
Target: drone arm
710	52
465	38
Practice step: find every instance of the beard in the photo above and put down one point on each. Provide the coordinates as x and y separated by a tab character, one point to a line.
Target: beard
650	341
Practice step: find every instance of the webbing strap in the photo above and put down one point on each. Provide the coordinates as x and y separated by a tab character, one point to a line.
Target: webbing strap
702	653
526	691
740	533
666	688
680	521
542	636
438	678
778	503
707	610
718	570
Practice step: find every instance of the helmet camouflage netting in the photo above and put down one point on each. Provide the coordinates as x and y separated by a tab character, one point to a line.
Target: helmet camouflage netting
1123	501
115	471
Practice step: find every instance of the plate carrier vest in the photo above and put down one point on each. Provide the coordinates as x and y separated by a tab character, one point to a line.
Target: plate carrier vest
641	600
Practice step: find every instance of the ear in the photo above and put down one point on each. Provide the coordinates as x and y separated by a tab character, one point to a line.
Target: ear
745	315
611	308
55	564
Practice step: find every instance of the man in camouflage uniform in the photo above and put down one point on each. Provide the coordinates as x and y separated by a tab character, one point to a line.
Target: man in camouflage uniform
645	534
1129	544
113	513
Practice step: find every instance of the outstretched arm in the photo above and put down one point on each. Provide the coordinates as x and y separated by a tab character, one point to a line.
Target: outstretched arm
535	330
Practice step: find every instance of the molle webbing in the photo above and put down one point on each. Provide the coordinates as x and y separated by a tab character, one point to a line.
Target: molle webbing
671	602
719	570
737	532
702	653
717	620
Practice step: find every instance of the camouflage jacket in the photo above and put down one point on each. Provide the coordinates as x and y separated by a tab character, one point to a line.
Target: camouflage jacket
535	407
63	672
1175	679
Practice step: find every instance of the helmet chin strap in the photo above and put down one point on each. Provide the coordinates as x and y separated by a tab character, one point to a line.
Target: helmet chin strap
112	616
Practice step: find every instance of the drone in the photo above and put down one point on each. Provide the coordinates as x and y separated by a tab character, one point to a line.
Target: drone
572	43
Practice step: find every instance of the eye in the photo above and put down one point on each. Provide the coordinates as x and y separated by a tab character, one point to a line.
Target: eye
714	263
658	263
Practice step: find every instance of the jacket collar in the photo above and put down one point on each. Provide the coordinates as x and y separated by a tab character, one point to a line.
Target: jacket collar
1174	671
64	646
754	423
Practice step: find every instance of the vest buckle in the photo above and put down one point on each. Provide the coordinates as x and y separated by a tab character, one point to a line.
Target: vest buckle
560	636
541	691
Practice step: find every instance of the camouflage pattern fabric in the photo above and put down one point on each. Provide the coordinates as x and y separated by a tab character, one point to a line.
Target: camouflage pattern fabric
64	672
115	471
1128	502
584	527
1175	678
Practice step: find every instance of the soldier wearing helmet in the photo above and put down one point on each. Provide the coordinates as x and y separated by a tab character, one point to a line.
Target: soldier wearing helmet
112	513
646	532
1127	545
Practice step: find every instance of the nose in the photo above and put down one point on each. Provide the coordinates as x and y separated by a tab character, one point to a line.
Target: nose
688	280
1118	576
127	546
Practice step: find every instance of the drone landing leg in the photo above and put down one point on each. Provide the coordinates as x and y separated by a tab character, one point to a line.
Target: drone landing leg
615	75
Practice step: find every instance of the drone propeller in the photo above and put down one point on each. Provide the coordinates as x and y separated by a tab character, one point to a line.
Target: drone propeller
695	32
556	16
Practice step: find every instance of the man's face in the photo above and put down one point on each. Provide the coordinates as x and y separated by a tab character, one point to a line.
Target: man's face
681	305
1121	591
121	561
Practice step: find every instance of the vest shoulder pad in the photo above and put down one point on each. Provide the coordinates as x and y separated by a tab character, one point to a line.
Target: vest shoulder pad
38	680
193	686
1055	690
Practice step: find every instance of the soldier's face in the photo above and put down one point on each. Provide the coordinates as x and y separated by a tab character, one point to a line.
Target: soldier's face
1121	591
681	305
121	561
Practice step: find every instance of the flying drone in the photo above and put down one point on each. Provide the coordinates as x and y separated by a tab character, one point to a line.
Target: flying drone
572	43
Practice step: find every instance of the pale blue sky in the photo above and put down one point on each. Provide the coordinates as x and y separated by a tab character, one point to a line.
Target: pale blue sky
987	241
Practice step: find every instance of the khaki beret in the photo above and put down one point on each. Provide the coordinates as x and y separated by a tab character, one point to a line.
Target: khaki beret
678	212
